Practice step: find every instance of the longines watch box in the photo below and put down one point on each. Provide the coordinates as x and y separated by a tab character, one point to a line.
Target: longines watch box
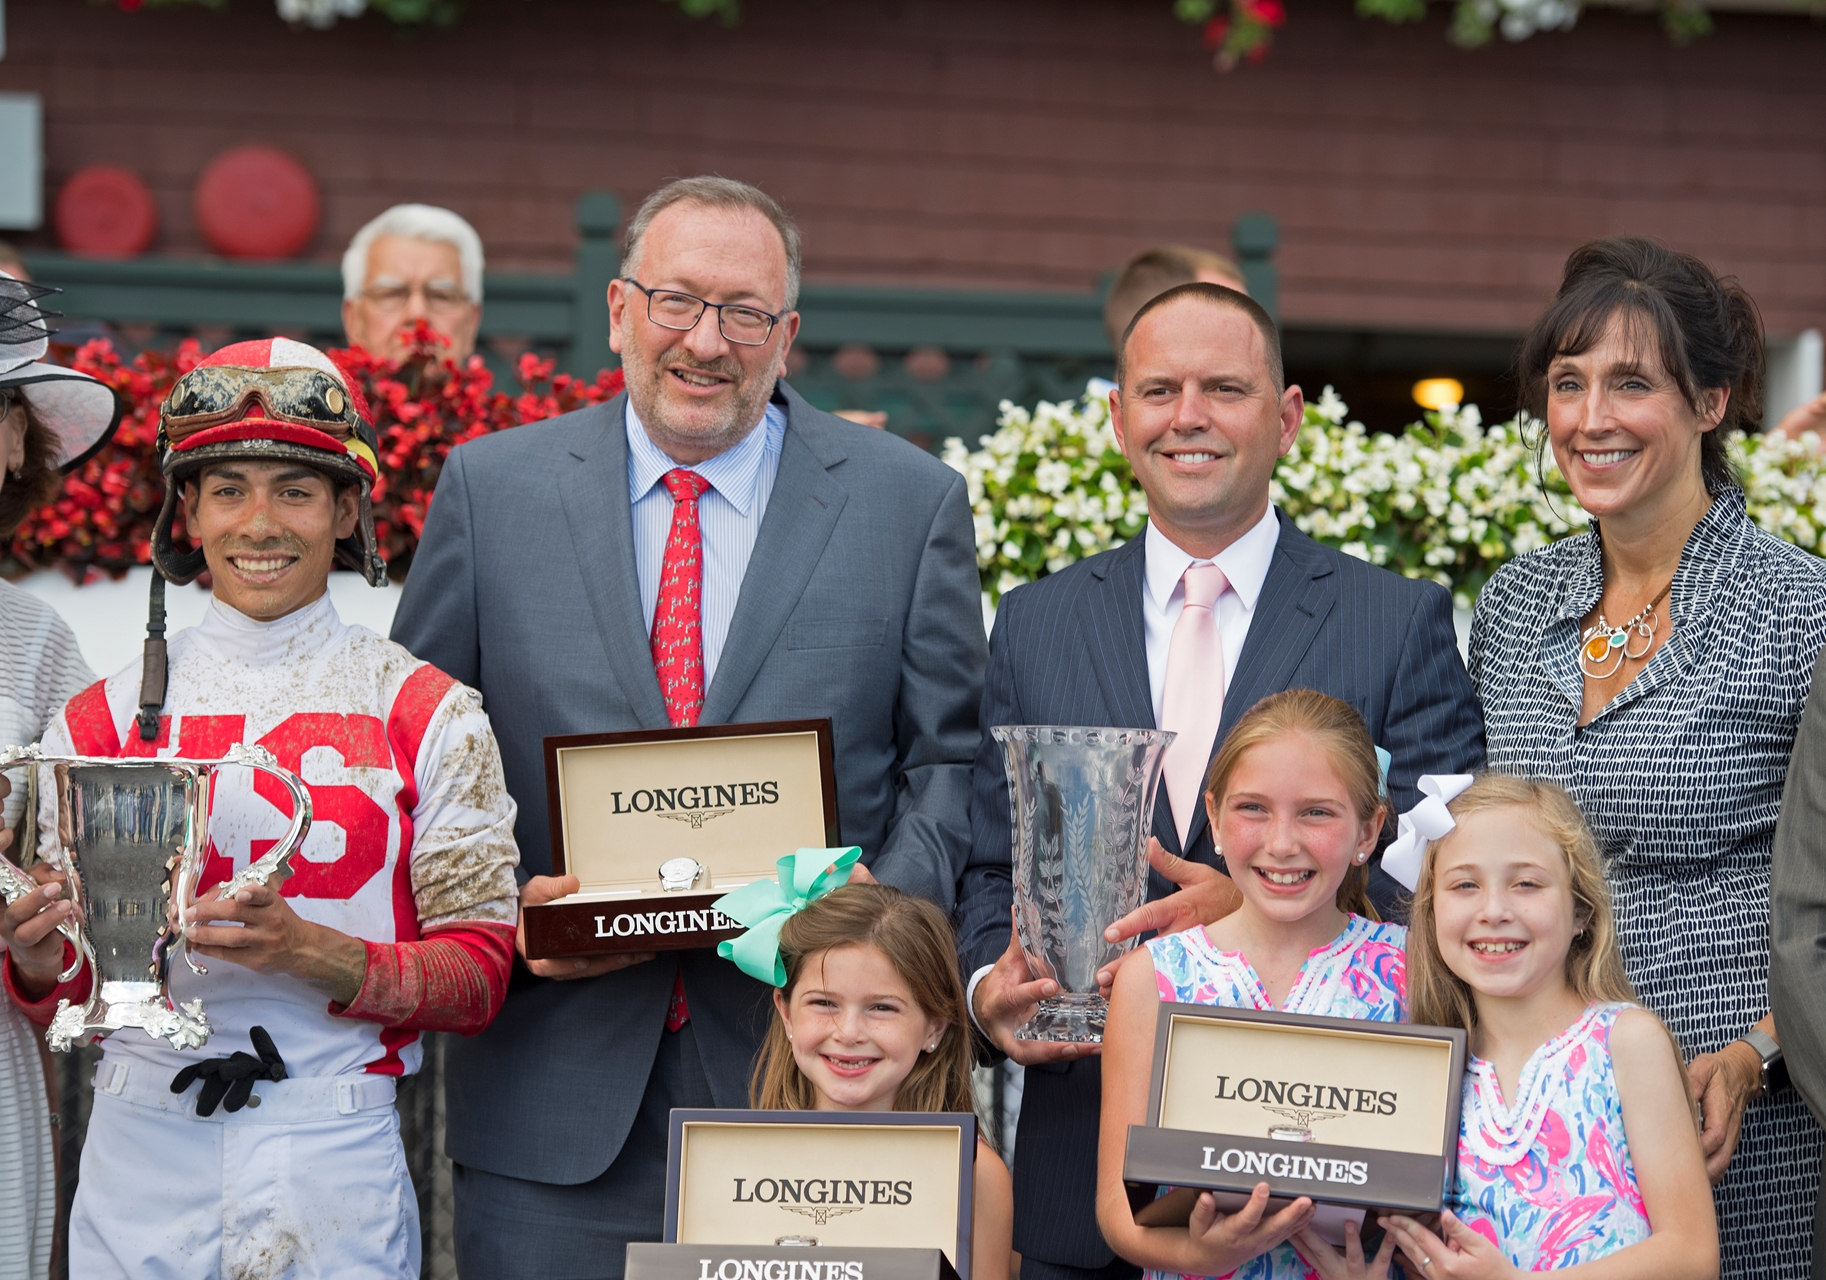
898	1181
1350	1113
659	824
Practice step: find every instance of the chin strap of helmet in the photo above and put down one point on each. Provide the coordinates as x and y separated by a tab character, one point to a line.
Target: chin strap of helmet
153	672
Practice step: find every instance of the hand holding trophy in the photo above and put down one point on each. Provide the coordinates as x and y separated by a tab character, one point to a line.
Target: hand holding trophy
130	837
1082	801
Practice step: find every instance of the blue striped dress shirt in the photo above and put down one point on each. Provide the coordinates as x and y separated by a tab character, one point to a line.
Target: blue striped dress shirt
728	516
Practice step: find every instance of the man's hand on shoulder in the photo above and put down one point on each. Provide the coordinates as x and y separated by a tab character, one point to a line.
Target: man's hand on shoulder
540	890
1206	895
1007	997
258	929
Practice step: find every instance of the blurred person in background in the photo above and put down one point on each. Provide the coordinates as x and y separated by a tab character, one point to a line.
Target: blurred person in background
51	419
1152	272
414	262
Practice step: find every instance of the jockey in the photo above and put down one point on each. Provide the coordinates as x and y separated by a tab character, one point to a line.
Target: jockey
398	916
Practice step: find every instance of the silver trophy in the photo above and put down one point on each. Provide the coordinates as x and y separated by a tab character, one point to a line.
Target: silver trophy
1082	802
132	835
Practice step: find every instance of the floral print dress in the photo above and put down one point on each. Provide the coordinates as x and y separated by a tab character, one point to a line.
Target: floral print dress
1361	973
1549	1180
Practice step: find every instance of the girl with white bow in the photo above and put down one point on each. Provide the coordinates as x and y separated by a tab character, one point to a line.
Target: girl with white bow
1578	1147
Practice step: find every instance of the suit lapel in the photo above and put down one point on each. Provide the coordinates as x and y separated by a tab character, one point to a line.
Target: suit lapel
1297	597
1116	638
594	492
802	511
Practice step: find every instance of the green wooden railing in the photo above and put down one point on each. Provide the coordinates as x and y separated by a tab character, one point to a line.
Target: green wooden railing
938	361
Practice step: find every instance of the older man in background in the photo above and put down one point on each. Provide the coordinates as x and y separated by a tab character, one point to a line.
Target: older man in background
1152	272
414	262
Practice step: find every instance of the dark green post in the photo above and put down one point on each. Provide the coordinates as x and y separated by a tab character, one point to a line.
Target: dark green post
1255	238
598	262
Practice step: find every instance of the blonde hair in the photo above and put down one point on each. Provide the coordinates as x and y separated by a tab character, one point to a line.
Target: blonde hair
917	940
1337	729
1594	966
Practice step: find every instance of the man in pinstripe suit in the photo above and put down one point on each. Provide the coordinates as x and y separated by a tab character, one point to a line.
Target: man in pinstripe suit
1202	412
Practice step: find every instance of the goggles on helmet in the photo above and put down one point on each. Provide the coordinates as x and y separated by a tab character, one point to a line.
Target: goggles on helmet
212	395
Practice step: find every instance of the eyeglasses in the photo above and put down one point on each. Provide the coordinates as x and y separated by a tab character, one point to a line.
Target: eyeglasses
670	309
220	393
442	299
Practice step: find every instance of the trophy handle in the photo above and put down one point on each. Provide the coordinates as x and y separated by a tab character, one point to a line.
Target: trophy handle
15	884
275	861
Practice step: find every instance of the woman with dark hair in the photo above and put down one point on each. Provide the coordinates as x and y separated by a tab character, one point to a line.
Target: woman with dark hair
1656	667
51	418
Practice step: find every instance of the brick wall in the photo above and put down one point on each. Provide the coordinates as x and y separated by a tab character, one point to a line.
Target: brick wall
1019	144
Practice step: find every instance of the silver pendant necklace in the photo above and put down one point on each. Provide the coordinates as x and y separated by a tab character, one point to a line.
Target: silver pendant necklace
1603	649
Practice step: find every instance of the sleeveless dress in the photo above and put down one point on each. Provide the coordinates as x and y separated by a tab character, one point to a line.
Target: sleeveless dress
1361	973
1549	1180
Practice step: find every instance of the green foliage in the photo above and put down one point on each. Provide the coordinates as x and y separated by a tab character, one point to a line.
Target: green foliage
730	11
1684	23
1471	26
1393	10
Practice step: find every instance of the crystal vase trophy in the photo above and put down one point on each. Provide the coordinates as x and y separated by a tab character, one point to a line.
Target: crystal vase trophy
1081	802
132	836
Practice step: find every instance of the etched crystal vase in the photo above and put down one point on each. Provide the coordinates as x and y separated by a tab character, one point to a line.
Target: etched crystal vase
1081	802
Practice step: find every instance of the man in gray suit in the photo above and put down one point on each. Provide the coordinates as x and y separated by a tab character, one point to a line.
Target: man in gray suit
1203	413
776	563
1797	930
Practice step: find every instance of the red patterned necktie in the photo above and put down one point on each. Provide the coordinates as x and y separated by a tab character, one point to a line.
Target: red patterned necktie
678	629
678	640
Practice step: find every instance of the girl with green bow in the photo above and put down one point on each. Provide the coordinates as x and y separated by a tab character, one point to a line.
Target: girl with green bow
871	1014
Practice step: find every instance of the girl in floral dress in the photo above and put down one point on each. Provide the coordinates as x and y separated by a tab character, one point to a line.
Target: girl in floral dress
1295	801
1577	1147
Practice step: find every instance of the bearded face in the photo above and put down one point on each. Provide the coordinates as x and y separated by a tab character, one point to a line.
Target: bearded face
697	393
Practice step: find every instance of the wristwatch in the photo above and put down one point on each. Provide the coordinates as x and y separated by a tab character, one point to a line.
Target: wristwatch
1775	1070
676	874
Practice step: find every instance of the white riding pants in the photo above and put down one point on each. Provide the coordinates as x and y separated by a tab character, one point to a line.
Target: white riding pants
310	1183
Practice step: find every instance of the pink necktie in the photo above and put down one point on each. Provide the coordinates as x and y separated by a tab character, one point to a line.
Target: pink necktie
1192	702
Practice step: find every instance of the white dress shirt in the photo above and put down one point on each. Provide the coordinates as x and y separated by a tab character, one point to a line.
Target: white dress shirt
1244	562
728	519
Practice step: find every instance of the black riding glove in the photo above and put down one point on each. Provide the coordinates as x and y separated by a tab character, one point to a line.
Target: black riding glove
233	1076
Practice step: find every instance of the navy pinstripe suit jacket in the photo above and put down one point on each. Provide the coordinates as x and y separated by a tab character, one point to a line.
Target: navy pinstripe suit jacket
1069	649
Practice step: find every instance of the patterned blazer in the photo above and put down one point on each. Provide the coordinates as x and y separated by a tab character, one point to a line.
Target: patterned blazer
1069	649
1680	778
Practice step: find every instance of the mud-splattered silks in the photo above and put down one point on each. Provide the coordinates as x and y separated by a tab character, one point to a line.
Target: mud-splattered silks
678	631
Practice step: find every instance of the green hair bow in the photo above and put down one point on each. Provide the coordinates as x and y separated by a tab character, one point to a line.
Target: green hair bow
765	905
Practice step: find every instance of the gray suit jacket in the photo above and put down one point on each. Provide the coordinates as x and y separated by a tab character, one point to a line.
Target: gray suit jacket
861	602
1797	920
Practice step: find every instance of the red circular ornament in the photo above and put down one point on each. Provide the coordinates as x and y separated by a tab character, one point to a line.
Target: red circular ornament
257	202
105	211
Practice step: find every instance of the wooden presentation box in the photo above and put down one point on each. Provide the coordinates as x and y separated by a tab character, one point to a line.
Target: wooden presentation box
783	1262
821	1183
1350	1113
734	798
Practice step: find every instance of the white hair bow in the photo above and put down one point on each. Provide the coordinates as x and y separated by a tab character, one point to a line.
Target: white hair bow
1428	820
